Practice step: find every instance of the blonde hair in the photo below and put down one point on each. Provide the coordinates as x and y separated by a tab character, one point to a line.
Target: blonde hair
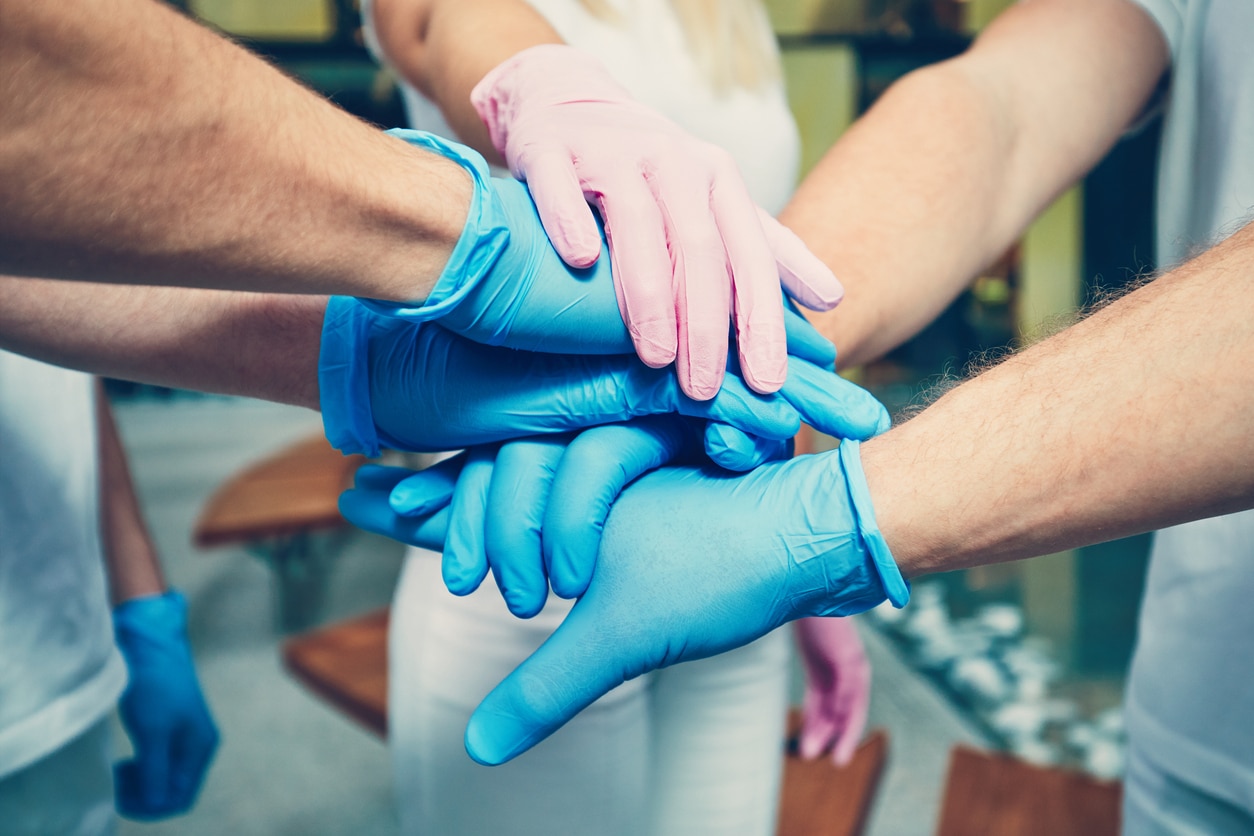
731	40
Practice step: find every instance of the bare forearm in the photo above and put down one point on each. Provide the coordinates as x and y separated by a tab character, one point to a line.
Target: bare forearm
444	48
257	345
139	147
131	560
1135	419
951	165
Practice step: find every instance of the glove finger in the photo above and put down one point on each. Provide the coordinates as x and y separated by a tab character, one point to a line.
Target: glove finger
378	477
642	269
806	278
805	342
818	730
152	774
701	285
564	211
766	416
369	510
192	755
516	501
732	449
757	309
574	667
427	491
851	731
127	797
593	471
465	562
833	405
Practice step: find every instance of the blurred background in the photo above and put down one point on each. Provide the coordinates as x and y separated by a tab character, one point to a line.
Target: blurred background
1026	657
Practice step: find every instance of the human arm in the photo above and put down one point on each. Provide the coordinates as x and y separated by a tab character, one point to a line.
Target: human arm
688	246
1134	419
376	378
949	167
138	147
163	710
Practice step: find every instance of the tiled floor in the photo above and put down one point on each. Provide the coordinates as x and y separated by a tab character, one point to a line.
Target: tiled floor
289	765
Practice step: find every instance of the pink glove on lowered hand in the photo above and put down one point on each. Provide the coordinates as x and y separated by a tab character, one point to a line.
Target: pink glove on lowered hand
838	688
689	248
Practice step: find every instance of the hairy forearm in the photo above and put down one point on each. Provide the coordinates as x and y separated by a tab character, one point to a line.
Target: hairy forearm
444	48
256	345
136	146
1134	419
134	570
946	171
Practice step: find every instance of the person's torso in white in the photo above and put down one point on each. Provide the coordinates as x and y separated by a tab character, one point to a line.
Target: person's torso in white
1190	705
60	670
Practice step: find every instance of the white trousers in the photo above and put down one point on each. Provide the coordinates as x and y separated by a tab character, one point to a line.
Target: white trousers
67	793
689	750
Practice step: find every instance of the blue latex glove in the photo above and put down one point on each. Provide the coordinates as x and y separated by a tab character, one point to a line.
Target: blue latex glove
386	381
694	562
505	285
163	710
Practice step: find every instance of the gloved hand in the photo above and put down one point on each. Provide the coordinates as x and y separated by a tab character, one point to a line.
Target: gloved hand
418	387
694	562
163	710
533	510
838	688
505	284
690	250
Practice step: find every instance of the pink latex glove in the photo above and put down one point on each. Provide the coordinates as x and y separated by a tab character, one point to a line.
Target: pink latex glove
689	248
838	688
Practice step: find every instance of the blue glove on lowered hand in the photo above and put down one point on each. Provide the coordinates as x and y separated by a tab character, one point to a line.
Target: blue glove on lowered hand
506	285
163	710
419	387
694	562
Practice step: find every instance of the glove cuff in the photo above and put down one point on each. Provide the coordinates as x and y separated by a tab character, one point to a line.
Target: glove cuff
895	587
483	239
344	378
528	79
151	615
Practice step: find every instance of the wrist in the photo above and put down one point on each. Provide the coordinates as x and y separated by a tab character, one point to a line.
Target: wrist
149	617
880	556
529	79
887	474
421	203
479	241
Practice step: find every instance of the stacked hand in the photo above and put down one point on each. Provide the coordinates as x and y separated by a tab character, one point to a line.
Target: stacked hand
506	284
694	562
163	710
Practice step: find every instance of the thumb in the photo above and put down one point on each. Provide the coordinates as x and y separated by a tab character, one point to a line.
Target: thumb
571	670
567	218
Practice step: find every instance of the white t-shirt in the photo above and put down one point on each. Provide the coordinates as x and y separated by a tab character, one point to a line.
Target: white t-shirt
647	53
60	671
1190	704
